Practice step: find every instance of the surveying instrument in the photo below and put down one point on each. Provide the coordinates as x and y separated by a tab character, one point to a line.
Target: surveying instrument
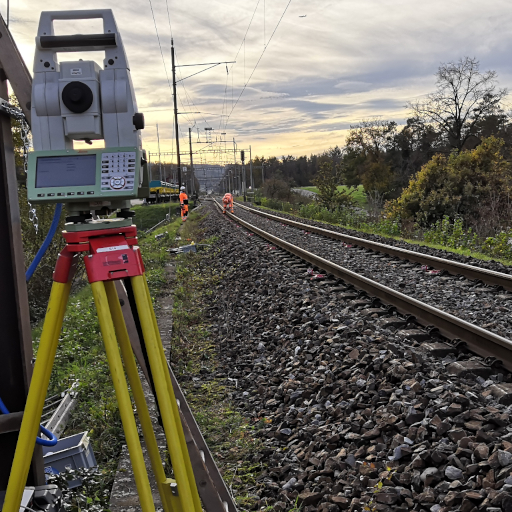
81	101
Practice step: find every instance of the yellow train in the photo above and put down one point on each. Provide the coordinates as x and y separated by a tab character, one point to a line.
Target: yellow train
162	192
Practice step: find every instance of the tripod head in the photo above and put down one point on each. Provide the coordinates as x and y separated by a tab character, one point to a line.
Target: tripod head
82	101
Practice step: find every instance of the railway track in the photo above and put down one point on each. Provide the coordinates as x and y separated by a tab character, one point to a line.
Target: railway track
472	272
356	407
478	340
487	306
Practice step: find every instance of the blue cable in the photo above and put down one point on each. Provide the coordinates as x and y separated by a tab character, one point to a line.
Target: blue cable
44	442
46	243
28	274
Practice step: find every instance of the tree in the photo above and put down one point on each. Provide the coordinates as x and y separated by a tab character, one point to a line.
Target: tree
366	160
327	180
464	96
277	188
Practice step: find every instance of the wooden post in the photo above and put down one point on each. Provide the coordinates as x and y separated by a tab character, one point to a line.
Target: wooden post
16	339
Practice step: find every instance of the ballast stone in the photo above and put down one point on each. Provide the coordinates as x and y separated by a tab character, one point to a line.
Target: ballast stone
463	368
502	391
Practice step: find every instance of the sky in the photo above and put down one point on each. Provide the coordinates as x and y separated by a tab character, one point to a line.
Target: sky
301	79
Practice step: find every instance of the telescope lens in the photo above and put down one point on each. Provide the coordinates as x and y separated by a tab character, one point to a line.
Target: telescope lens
77	97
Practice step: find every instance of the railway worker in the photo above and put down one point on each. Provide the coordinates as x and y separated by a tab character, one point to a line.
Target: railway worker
183	204
228	203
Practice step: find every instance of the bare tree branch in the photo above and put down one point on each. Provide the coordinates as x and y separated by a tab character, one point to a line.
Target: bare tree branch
463	97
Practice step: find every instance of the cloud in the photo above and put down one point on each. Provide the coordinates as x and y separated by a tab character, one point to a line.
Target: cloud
347	60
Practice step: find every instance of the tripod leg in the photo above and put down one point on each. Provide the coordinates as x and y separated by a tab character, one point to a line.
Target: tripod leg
180	459
123	397
36	395
174	404
138	395
133	307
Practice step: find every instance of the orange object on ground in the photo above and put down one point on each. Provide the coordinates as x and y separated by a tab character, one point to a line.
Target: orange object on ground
184	206
228	203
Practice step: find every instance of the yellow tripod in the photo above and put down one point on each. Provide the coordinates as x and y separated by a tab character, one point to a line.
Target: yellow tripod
112	254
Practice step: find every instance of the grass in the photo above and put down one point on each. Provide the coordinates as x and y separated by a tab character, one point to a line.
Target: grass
147	216
359	195
81	356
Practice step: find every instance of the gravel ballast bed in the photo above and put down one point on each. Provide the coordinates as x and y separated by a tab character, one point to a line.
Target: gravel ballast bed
476	303
350	413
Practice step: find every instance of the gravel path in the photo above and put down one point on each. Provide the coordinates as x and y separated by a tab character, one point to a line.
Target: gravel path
351	415
475	303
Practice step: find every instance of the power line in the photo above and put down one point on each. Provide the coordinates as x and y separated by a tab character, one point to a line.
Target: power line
246	32
224	103
261	56
169	18
160	45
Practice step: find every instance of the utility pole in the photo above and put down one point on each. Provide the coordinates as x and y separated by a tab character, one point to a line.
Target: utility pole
176	129
159	156
250	168
262	173
191	161
234	158
242	155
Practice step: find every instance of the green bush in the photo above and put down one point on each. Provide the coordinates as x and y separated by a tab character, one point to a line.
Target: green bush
499	246
471	184
451	234
276	204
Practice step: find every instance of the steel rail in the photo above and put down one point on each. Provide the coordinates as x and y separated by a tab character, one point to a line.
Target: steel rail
478	340
453	267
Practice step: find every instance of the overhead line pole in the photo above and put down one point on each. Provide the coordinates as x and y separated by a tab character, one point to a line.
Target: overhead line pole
234	158
159	156
250	166
191	161
176	112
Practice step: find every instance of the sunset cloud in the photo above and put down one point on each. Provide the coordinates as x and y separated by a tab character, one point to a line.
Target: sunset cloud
345	61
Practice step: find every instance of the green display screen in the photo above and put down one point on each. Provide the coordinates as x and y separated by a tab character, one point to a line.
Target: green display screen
65	171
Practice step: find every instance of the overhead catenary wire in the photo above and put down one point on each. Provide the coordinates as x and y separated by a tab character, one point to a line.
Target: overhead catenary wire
246	32
224	102
169	17
187	97
257	63
160	46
